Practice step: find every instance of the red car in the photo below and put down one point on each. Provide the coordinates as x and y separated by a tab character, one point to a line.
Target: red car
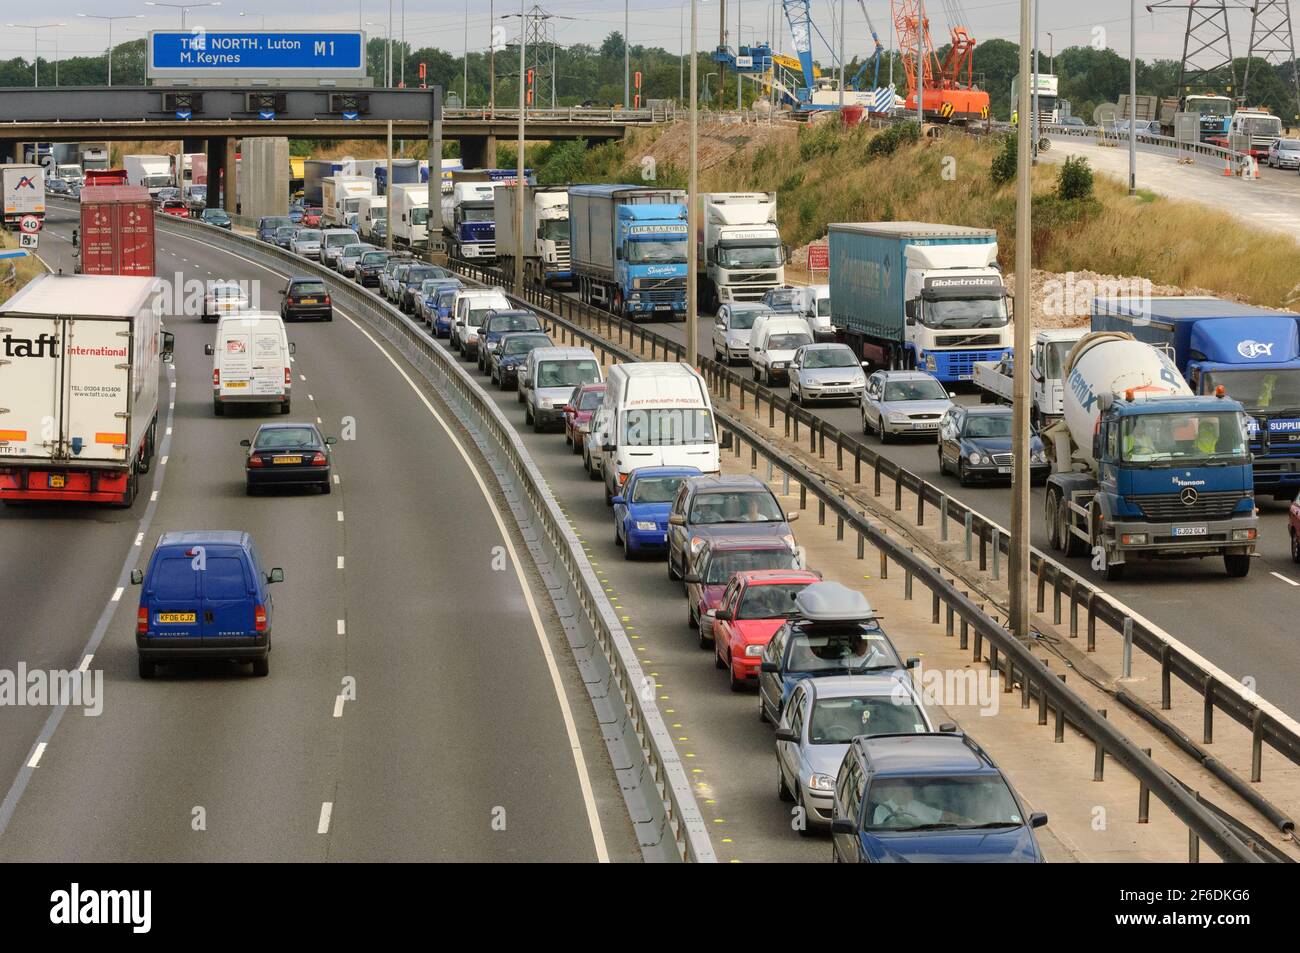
1293	524
578	412
711	569
311	217
176	209
755	604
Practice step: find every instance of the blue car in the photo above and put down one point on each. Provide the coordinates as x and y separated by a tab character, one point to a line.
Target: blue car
267	225
442	320
641	509
833	631
928	797
204	596
426	308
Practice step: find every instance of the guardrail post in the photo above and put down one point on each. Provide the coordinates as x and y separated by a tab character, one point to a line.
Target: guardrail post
1256	745
803	496
862	546
794	422
898	493
948	625
1164	677
839	528
1144	797
1058	732
907	585
934	608
857	465
821	512
1128	648
753	458
997	554
970	523
1193	845
785	482
884	565
943	517
1042	589
920	505
963	642
771	414
876	466
839	452
1056	601
1042	705
1099	755
1207	734
984	549
813	426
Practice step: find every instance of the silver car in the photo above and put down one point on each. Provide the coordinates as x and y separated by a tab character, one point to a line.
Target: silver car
350	255
826	372
903	402
731	330
548	378
820	721
333	241
1284	154
306	243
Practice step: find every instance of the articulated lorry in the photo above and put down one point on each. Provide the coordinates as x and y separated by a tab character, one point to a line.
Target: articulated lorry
546	232
469	218
315	172
917	295
996	379
1252	353
405	172
116	236
738	251
79	384
629	246
24	192
1143	469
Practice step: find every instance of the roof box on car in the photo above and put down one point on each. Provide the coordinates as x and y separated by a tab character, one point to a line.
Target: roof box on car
833	602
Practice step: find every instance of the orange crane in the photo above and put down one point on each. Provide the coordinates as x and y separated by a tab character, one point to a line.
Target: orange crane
949	90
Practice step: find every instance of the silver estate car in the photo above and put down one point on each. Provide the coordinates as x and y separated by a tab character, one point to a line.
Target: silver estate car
826	372
903	402
822	718
306	243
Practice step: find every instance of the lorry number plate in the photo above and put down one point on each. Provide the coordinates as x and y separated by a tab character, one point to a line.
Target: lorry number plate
1190	530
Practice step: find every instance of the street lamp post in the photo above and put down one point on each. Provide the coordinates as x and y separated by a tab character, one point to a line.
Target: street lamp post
693	209
1132	97
1034	107
184	8
681	58
627	56
96	16
1018	580
36	29
1051	55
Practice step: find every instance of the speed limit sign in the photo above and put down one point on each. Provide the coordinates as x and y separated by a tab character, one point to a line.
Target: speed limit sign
29	225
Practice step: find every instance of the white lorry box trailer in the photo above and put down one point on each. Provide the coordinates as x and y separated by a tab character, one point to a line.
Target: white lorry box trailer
154	172
24	191
410	224
81	356
342	195
546	231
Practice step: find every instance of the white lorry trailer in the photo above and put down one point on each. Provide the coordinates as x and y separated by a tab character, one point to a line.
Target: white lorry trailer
739	249
343	195
153	172
81	356
24	190
546	232
1046	375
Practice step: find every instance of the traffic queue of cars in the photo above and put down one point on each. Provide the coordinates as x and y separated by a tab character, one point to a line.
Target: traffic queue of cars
855	748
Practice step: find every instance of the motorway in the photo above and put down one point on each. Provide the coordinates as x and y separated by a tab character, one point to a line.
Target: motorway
470	736
1196	602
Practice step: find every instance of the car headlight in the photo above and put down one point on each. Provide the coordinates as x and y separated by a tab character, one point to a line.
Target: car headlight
544	402
751	651
821	782
976	457
778	365
897	417
697	542
1038	456
647	527
929	363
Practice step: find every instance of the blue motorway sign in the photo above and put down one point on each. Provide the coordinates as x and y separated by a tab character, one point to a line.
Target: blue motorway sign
239	54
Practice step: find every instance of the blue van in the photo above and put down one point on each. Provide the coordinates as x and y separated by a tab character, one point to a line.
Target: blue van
206	596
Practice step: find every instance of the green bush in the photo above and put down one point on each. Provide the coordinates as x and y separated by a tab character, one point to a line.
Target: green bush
1074	180
821	138
562	162
1003	168
886	142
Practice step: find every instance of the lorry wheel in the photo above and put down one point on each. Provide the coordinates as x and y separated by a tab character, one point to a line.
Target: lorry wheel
218	408
1115	571
1238	564
284	408
1052	519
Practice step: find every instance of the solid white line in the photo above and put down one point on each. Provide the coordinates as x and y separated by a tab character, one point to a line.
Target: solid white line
85	663
323	825
342	628
570	728
117	593
36	755
1289	582
338	707
340	562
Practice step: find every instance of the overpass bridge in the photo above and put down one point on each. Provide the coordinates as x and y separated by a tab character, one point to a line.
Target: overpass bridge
213	120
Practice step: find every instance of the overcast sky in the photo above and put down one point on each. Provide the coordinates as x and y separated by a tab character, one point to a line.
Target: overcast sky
442	23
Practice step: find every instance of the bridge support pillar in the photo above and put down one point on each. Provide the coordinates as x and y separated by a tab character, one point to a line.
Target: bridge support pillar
231	163
479	152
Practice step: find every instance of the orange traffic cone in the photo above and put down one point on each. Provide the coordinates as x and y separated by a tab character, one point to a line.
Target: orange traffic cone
1227	166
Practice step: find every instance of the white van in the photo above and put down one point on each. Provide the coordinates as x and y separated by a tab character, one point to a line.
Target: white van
814	303
772	344
250	361
468	313
547	380
655	414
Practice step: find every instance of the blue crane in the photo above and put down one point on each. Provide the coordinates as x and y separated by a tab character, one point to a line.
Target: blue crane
875	57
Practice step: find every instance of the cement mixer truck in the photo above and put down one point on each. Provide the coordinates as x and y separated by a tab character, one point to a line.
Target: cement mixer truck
1144	469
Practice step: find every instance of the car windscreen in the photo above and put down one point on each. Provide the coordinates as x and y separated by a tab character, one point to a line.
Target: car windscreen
918	389
668	427
553	230
1186	438
774	601
416	275
273	223
513	322
336	239
829	357
568	373
841	649
524	344
308	235
215	215
374	258
837	721
286	231
591	399
743	320
781	300
787	342
655	489
736	506
726	563
988	425
937	803
355	251
276	438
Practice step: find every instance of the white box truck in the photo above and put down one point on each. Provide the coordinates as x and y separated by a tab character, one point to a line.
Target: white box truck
739	249
343	195
546	232
410	224
153	172
24	189
80	357
374	210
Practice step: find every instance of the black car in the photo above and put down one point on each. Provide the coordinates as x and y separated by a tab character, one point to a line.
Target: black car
975	443
510	353
284	235
216	217
411	281
368	268
287	455
503	322
306	298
